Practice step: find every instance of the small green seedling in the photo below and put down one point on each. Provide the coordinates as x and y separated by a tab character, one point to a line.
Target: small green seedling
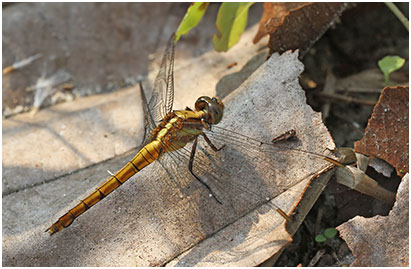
328	233
389	64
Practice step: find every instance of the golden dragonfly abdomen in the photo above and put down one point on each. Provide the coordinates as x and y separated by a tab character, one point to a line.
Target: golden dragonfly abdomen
173	133
144	157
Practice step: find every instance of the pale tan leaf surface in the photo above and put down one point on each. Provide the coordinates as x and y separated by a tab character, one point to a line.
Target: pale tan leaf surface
381	240
68	138
73	37
149	221
104	46
266	234
387	133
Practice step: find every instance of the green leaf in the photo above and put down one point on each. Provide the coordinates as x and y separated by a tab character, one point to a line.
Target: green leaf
330	232
389	64
192	17
320	238
231	22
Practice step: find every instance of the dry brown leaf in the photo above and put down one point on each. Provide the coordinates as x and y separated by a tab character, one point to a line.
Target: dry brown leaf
381	241
386	136
297	25
274	12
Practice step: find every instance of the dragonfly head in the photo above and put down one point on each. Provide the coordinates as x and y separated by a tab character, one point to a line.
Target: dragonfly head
213	108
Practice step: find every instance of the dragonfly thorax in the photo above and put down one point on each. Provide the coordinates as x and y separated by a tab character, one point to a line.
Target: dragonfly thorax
178	128
213	109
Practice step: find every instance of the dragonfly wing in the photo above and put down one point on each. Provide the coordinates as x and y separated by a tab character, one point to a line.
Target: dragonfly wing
149	123
245	174
252	164
176	165
232	190
285	146
161	101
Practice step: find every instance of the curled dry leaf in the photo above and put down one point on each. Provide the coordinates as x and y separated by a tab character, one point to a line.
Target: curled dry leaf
386	136
296	25
356	179
381	241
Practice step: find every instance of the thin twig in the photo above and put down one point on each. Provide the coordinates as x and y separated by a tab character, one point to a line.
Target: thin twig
320	253
20	64
318	220
347	99
329	88
399	14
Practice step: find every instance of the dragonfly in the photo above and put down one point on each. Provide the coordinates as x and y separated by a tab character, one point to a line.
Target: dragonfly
171	138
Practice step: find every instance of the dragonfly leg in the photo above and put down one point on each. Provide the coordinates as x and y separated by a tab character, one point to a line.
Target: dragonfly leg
190	168
211	144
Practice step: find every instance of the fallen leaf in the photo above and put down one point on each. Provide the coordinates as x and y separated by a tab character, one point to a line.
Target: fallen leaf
149	221
298	25
386	136
274	12
381	241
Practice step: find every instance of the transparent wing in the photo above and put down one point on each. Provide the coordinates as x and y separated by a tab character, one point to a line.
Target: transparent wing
276	149
161	101
149	123
243	175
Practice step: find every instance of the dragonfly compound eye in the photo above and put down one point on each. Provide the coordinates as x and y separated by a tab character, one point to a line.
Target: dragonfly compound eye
212	106
216	110
202	103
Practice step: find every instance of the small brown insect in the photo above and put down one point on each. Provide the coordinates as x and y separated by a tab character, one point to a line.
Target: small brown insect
232	65
289	135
